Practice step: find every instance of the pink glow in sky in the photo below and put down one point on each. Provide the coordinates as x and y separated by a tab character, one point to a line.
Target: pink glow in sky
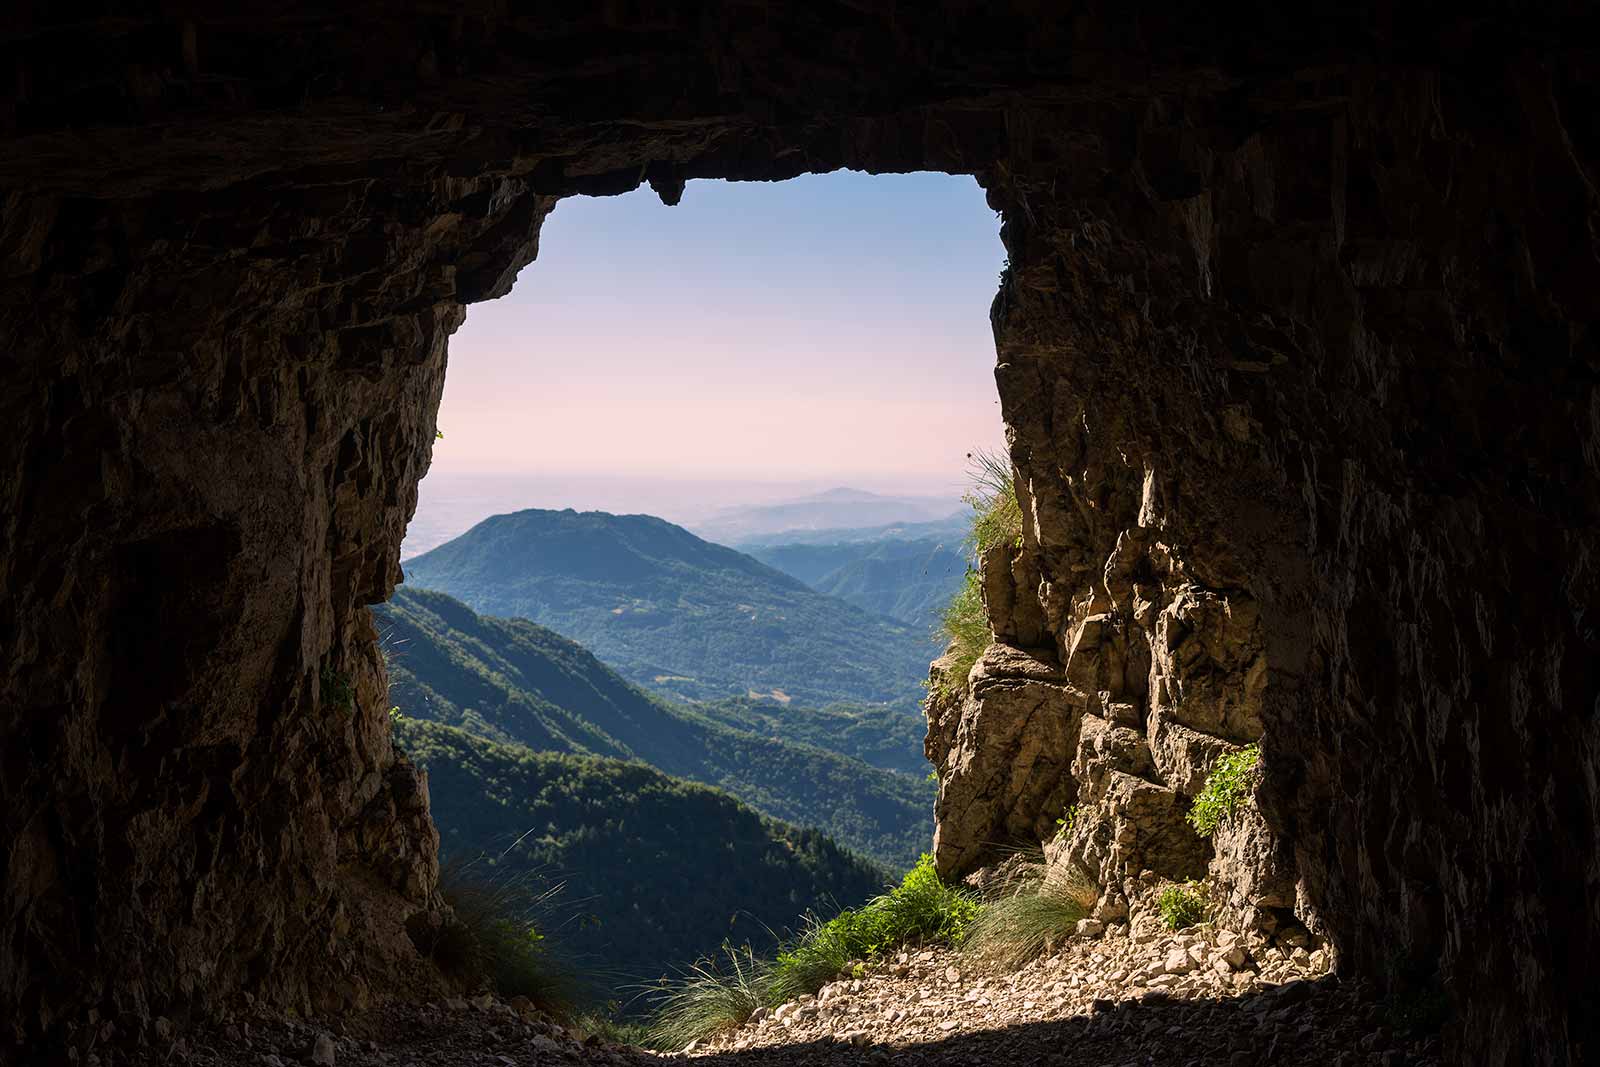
833	328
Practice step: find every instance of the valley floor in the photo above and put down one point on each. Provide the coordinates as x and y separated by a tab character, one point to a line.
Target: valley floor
1127	999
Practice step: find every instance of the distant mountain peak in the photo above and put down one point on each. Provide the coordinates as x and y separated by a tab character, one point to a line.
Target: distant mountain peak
676	613
846	493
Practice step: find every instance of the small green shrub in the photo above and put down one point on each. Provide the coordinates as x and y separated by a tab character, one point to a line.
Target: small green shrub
713	997
606	1026
1229	785
1019	927
1065	824
1182	905
337	689
920	910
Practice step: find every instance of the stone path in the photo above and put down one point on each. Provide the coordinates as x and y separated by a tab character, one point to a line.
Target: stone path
1124	998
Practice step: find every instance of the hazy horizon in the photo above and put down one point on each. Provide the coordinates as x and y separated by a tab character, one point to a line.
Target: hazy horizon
756	343
451	503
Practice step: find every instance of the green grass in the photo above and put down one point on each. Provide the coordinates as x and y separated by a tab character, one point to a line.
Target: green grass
606	1027
1228	786
717	995
1182	905
1021	925
920	910
996	520
966	625
710	997
497	938
996	515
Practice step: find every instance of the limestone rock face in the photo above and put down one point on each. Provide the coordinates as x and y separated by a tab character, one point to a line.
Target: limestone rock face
1004	775
1296	351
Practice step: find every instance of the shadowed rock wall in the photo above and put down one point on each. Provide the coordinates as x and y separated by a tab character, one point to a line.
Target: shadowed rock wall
1296	351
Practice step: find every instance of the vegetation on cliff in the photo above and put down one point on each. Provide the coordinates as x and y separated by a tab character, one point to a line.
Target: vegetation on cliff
996	521
1232	779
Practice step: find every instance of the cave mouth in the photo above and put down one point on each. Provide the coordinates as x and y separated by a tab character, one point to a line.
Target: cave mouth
756	365
1298	304
828	330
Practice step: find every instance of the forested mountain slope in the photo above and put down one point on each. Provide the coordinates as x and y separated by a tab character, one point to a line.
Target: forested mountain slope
655	871
514	681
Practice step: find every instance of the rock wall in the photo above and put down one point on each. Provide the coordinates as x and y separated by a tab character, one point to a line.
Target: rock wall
1304	420
1295	348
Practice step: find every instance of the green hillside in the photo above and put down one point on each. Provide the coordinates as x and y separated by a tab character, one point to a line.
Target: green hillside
513	681
654	871
907	580
675	613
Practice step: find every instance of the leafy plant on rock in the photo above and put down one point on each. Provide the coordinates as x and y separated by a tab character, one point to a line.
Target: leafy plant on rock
1228	786
1065	824
1182	905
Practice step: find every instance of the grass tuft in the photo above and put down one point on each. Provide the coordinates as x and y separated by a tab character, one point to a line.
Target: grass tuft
996	519
714	996
1182	905
710	997
497	937
1228	786
1021	925
996	515
966	625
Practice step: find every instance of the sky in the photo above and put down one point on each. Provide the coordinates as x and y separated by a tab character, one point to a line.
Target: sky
828	330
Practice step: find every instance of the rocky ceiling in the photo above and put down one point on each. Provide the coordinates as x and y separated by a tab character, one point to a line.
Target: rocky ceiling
1299	320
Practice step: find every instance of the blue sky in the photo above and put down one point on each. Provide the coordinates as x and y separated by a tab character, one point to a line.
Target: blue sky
833	328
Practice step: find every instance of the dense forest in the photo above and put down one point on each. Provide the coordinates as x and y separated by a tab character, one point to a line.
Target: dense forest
675	613
513	681
653	871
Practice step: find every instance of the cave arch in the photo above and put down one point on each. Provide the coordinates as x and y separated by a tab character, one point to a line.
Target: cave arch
1308	300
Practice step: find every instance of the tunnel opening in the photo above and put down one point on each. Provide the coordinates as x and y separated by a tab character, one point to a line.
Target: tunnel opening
1308	303
711	459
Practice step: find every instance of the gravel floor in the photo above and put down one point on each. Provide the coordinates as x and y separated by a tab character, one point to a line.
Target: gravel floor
1127	998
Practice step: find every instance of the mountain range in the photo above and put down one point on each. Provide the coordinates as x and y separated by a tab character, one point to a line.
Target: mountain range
678	614
951	529
833	509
